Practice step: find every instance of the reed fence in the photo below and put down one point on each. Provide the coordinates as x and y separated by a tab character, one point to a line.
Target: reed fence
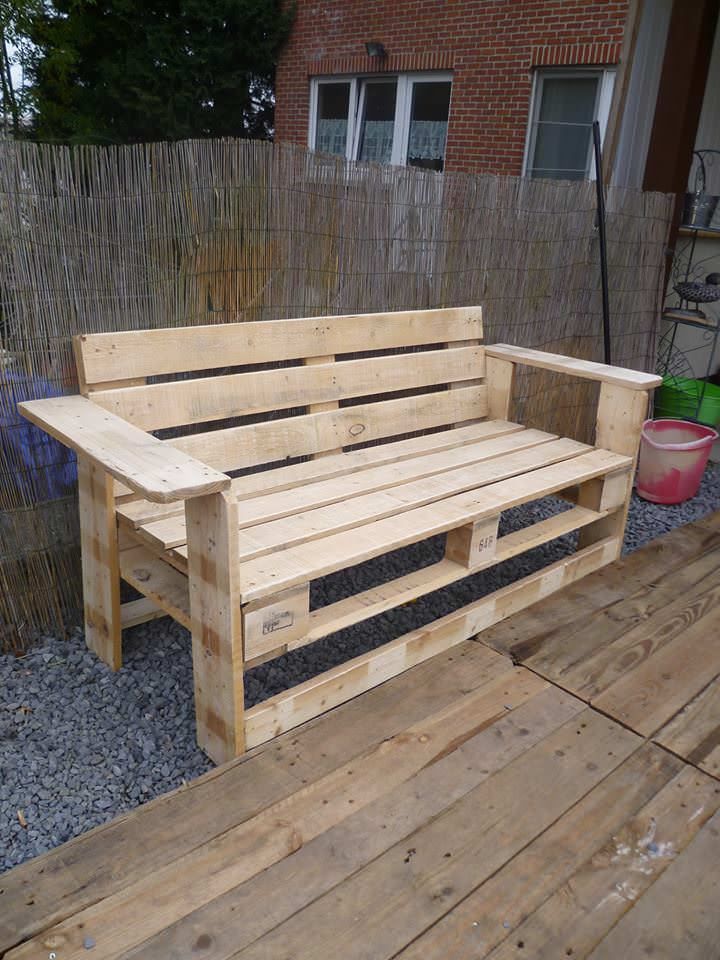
109	238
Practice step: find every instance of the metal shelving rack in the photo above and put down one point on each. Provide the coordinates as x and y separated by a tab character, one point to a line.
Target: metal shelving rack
672	362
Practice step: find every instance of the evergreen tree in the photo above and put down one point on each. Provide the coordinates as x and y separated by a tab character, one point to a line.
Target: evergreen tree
127	71
16	54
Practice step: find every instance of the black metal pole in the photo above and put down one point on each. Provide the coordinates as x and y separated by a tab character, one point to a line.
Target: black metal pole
603	240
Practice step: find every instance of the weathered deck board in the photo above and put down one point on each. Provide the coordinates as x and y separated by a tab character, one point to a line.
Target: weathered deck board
694	733
680	920
101	862
468	808
642	656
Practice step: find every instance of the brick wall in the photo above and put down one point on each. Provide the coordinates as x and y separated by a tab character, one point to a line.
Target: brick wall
491	46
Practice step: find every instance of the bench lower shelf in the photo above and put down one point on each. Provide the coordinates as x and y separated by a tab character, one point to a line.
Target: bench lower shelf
166	588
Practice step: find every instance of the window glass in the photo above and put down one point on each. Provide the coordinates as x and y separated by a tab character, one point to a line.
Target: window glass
429	112
563	127
378	121
332	118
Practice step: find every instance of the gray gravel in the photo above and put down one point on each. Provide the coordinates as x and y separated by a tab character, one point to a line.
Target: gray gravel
79	744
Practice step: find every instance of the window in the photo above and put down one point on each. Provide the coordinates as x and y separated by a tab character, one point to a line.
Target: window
389	119
564	105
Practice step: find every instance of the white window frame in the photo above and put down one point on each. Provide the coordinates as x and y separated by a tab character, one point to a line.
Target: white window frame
403	107
601	112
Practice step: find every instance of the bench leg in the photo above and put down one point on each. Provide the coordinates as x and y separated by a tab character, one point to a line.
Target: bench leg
214	580
620	417
100	571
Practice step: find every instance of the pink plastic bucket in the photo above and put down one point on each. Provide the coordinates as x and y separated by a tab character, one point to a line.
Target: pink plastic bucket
673	456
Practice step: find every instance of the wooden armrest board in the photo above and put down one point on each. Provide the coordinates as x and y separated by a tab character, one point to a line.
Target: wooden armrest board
154	469
588	369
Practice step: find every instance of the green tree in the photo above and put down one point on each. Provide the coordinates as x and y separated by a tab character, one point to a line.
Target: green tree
16	57
127	71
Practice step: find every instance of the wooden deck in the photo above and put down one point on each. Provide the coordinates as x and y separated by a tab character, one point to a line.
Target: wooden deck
562	805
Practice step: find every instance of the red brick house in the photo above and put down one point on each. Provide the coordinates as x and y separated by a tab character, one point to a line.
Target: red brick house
497	86
504	86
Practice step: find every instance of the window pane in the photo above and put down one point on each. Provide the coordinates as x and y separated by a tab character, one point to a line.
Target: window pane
332	118
378	122
564	128
428	124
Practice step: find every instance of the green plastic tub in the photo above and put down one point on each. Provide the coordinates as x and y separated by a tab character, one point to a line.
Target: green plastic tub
678	396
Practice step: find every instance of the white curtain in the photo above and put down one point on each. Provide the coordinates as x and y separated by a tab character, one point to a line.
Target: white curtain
427	140
377	141
331	136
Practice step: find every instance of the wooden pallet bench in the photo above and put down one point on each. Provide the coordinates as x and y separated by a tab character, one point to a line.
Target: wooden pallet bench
232	559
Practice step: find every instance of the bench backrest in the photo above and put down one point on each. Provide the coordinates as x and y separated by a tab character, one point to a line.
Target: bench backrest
327	382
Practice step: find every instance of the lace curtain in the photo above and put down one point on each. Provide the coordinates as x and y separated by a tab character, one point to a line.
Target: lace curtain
426	142
331	136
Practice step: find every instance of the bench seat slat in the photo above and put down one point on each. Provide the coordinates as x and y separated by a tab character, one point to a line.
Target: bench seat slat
285	568
274	506
314	524
129	354
265	575
139	512
205	399
345	490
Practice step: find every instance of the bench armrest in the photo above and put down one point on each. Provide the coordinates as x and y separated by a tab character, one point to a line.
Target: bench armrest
150	467
620	376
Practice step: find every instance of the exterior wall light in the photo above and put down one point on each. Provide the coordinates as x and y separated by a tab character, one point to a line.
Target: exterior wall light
375	49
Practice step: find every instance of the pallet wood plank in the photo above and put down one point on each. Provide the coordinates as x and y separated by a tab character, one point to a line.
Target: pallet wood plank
276	440
370	603
137	912
153	469
621	411
139	512
474	545
231	921
342	614
162	584
500	380
275	506
411	886
569	629
588	369
634	647
294	519
147	353
95	865
321	407
694	734
100	573
280	620
651	694
499	906
295	516
205	399
216	625
303	701
139	611
285	568
678	918
579	914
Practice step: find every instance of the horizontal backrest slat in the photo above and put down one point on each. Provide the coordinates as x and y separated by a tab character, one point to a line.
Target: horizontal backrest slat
275	440
182	402
128	355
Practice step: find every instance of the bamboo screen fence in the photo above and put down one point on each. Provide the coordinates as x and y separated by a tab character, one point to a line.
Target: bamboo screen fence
97	239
